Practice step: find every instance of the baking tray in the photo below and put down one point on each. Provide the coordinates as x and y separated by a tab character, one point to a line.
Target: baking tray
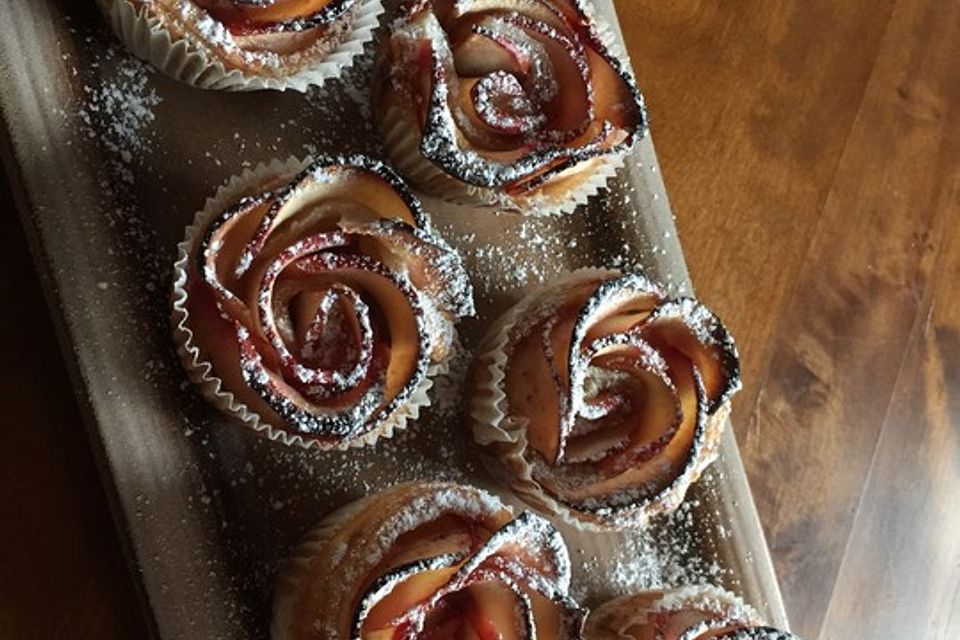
109	161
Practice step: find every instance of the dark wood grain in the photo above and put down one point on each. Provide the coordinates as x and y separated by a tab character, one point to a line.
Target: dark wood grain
812	154
857	305
62	574
104	222
899	554
751	107
901	558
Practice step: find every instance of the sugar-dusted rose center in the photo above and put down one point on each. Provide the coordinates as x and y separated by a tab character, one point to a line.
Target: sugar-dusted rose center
329	334
614	385
516	70
502	104
459	580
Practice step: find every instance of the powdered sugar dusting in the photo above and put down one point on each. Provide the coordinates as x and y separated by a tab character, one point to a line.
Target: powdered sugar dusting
255	498
674	552
119	111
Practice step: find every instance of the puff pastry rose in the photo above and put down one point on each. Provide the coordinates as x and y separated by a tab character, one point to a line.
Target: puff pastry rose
428	561
245	44
602	400
314	303
688	613
517	104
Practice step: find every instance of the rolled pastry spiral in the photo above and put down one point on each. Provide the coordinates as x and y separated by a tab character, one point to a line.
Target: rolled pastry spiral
601	399
321	302
518	104
427	560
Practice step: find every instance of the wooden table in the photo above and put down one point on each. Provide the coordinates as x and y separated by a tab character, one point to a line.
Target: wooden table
812	154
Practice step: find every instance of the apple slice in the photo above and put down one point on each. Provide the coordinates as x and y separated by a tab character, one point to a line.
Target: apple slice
431	264
550	13
570	108
692	329
409	342
397	593
246	18
284	10
533	394
614	100
649	415
619	307
481	52
501	104
493	611
656	411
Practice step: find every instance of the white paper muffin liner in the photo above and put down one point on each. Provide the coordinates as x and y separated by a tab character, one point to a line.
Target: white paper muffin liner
503	438
636	609
401	135
191	61
198	366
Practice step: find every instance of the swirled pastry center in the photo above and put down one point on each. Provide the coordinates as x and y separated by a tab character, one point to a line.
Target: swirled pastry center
511	93
469	585
327	299
614	381
432	561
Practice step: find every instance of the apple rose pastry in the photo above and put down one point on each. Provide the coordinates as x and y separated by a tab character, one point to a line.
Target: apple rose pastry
315	303
688	613
517	104
602	400
429	561
245	44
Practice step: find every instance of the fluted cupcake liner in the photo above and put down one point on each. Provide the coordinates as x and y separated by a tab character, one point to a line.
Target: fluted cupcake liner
197	364
401	136
503	440
190	61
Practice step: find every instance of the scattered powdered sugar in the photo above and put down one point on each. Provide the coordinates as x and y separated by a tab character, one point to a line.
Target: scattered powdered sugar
262	496
677	550
119	110
116	111
522	255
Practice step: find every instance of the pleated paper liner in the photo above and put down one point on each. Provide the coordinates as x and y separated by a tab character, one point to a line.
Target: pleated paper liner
503	440
400	133
205	58
199	368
